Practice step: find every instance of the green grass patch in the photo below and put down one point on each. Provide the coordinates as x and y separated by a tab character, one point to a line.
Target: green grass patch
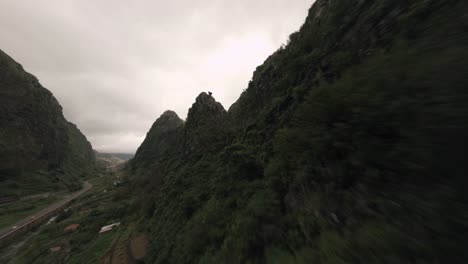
95	249
16	211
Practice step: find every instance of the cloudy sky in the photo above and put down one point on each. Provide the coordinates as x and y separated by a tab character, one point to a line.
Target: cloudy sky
117	65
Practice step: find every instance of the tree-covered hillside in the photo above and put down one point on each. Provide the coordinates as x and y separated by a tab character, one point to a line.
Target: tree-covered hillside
39	149
346	147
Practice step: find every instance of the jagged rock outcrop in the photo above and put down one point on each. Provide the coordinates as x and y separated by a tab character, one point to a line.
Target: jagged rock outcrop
38	145
205	111
170	137
346	147
206	127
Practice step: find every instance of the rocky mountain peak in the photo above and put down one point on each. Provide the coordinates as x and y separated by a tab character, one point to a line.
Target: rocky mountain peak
167	121
205	108
169	114
159	139
206	122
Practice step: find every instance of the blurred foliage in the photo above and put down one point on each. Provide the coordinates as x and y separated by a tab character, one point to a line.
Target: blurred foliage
347	147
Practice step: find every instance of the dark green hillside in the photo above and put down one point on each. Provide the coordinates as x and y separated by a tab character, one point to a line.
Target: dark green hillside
158	140
347	147
39	149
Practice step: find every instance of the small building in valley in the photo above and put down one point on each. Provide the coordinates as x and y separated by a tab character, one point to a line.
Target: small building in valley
108	228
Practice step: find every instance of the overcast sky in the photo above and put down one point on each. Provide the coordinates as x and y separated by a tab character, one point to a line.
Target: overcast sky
117	65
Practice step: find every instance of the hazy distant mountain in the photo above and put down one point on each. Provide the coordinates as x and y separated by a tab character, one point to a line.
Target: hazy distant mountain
39	149
346	147
112	159
124	156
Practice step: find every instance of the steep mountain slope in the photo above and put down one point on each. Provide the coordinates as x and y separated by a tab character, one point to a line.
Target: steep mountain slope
347	147
158	140
171	141
40	150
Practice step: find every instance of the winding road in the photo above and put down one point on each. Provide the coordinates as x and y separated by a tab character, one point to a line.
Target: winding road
6	232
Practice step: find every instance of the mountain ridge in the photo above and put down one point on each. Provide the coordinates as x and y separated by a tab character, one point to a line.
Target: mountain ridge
39	146
324	147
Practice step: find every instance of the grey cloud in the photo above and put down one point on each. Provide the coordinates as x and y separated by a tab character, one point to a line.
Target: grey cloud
116	65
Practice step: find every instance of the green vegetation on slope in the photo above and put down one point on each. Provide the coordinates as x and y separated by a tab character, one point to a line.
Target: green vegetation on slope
40	150
104	204
345	148
11	213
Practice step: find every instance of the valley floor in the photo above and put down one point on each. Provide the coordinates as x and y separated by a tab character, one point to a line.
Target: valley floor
75	235
29	209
